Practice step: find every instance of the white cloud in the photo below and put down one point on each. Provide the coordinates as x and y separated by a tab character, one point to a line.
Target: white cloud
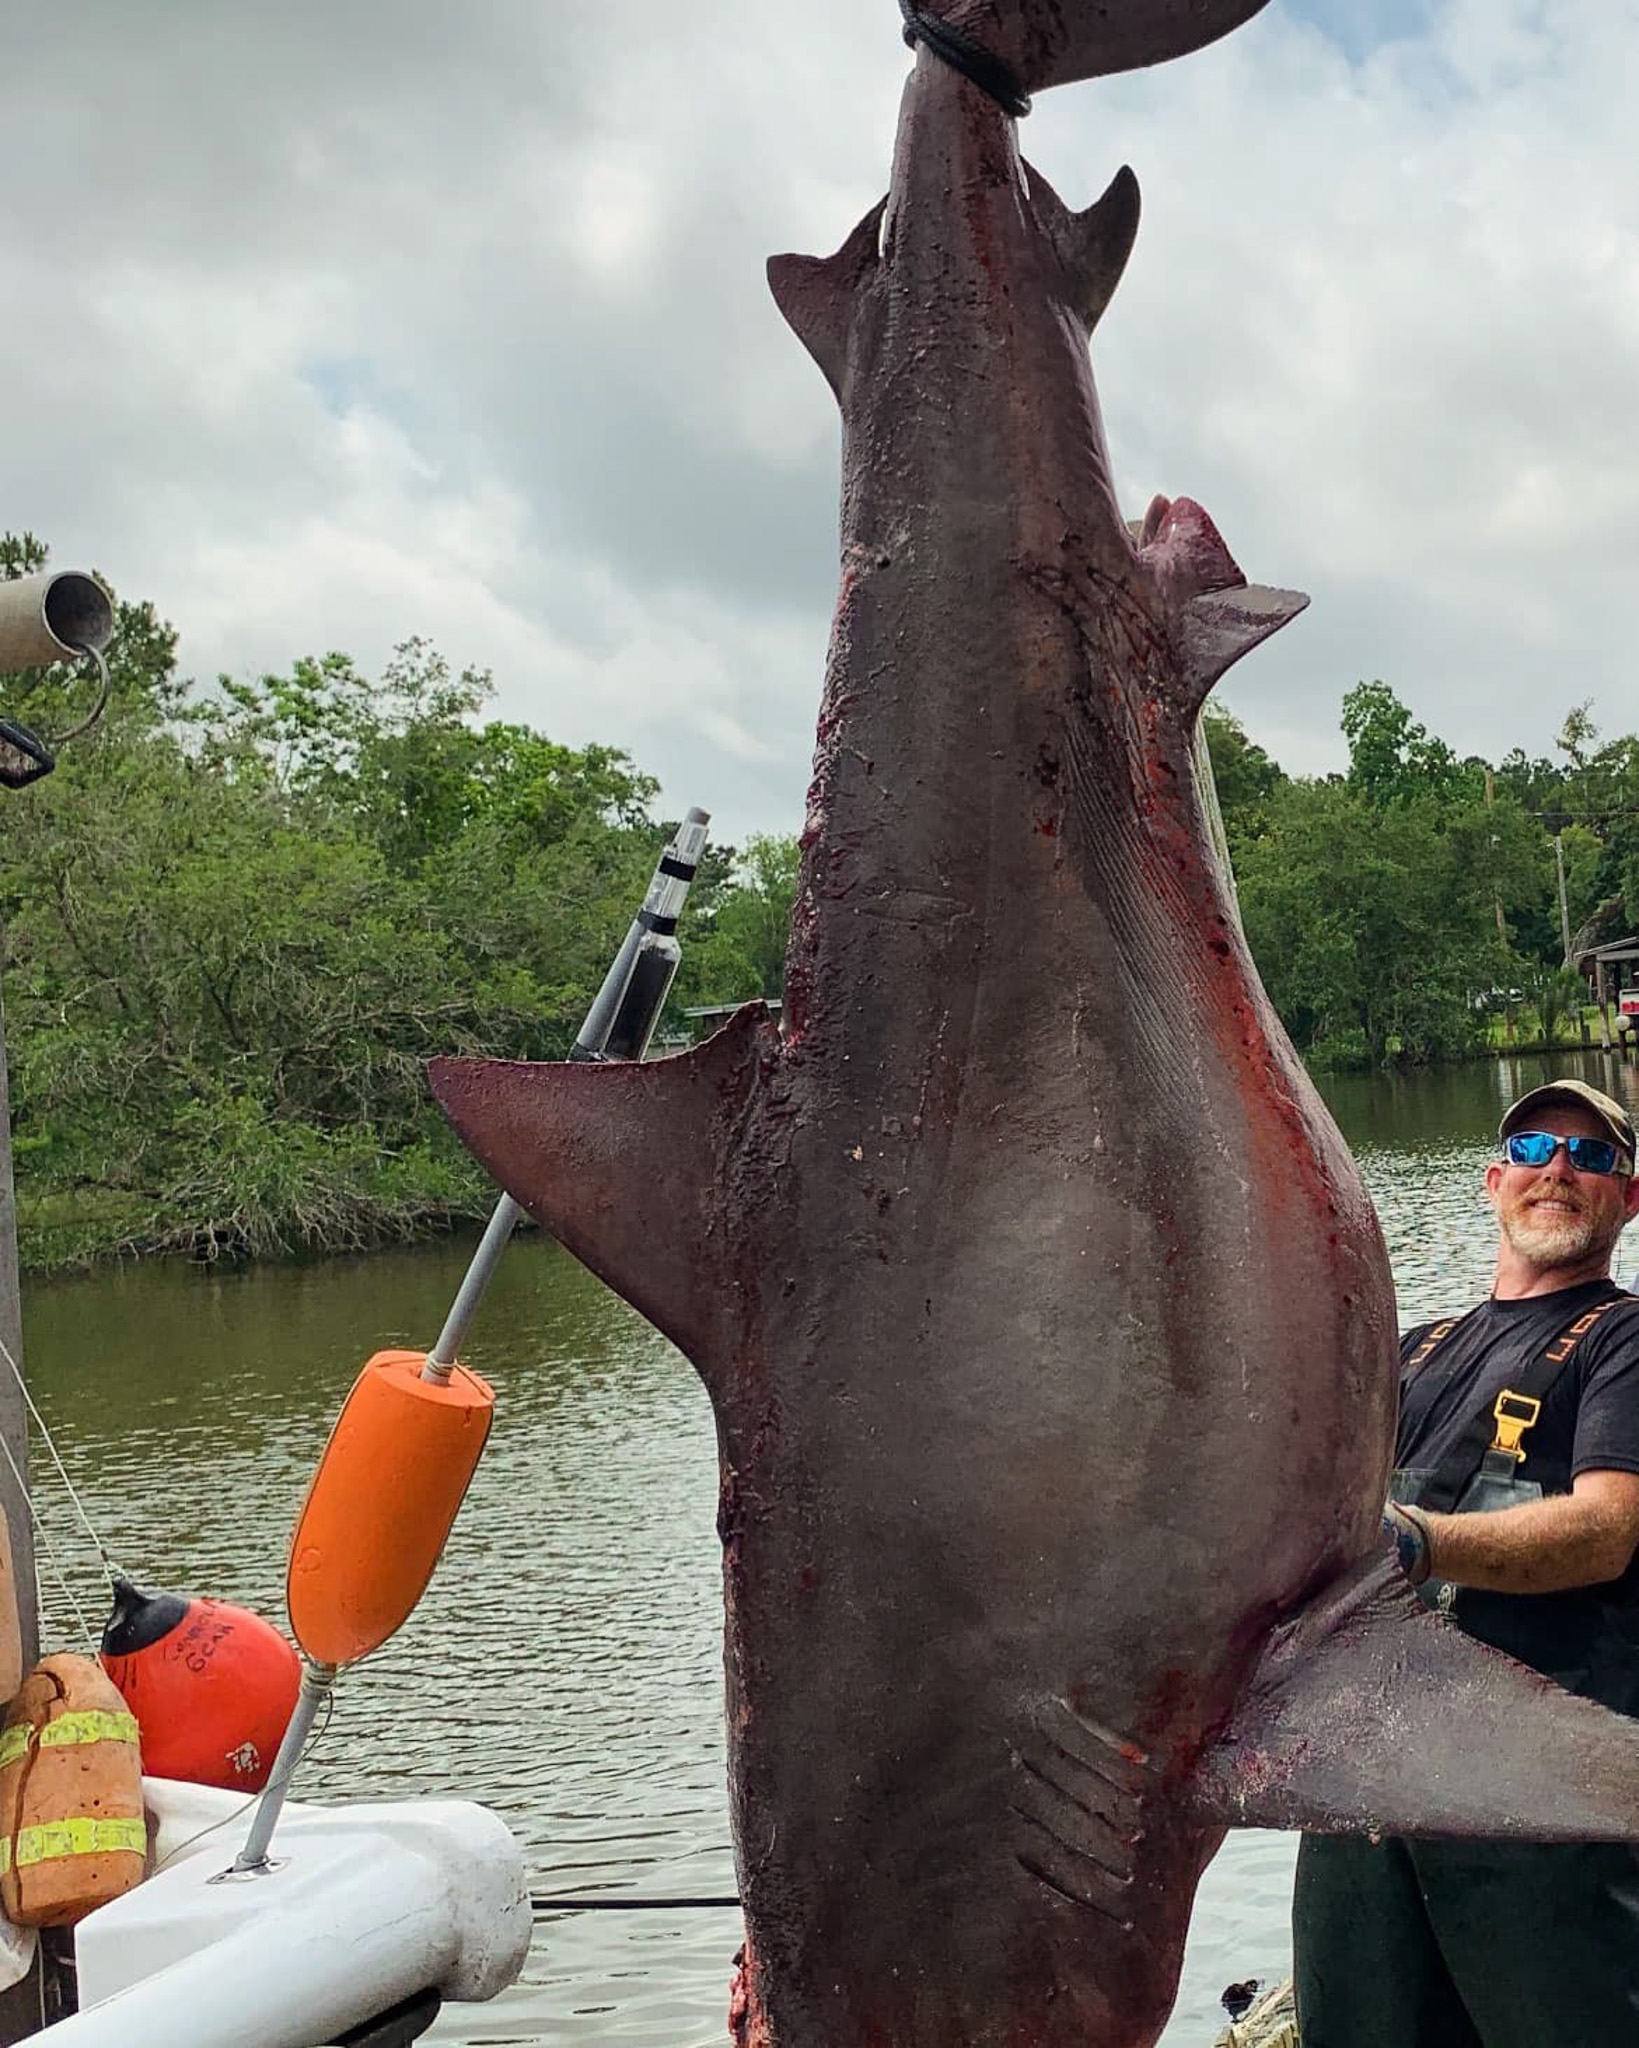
329	326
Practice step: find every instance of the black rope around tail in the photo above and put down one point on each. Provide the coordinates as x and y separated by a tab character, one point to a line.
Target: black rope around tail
963	54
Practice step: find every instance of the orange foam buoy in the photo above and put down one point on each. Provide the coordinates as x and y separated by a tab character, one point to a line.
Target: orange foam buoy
72	1831
390	1483
212	1686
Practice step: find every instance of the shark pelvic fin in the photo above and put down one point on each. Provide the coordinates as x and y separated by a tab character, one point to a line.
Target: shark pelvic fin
1215	631
1093	246
1368	1714
1217	615
632	1167
817	294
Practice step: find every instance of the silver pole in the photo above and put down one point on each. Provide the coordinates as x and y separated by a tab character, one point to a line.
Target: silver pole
318	1680
668	892
441	1359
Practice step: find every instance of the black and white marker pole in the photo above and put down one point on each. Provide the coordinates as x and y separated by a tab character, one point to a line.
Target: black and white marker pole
618	1026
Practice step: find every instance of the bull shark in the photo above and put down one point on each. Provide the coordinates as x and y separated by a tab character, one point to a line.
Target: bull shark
1048	1328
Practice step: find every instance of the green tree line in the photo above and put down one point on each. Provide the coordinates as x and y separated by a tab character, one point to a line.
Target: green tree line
237	919
1396	908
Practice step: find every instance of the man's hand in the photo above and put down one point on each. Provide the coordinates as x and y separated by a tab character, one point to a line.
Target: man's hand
1407	1530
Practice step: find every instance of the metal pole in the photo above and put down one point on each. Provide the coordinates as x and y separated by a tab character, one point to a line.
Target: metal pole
441	1359
317	1683
1564	907
45	1994
657	920
43	619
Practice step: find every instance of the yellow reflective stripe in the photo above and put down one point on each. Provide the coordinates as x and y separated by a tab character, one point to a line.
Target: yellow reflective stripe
93	1725
82	1837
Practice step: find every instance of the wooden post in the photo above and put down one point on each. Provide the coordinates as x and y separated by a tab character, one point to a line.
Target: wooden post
1604	1006
45	1994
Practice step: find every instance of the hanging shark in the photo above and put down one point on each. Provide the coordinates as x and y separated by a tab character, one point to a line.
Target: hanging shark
1047	1326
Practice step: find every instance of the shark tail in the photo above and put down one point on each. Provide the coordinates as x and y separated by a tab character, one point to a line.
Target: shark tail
1369	1715
1055	42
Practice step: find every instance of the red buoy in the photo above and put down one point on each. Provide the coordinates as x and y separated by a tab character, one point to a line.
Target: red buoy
212	1686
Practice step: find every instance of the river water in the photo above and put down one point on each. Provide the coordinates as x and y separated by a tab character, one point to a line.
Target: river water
565	1665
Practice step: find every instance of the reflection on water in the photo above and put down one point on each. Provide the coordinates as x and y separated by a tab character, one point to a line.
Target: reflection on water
565	1667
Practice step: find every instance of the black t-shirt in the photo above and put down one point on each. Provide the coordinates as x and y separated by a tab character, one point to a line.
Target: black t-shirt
1587	1638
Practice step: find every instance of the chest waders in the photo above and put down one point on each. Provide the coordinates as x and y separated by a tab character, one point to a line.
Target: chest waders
1481	1472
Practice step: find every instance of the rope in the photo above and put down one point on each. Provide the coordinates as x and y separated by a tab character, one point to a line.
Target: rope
540	1903
44	1535
108	1564
963	54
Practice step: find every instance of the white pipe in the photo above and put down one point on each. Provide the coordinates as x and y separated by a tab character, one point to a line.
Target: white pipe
57	615
295	1973
364	1906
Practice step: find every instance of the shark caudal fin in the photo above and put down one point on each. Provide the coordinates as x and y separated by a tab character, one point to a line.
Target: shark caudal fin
1369	1715
636	1168
1054	42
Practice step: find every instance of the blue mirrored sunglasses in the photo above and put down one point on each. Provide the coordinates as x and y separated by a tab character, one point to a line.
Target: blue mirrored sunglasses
1587	1155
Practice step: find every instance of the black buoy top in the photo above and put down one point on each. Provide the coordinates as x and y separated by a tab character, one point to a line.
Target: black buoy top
140	1619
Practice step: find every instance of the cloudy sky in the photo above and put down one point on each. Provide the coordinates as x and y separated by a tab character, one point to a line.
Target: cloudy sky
330	324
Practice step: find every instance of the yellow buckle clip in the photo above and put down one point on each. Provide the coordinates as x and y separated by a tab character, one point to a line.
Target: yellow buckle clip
1515	1414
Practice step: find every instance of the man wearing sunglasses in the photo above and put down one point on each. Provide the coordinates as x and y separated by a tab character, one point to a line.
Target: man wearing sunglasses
1515	1510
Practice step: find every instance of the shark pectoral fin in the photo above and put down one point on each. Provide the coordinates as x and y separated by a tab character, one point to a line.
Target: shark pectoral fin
1368	1714
1216	629
1093	246
633	1167
818	294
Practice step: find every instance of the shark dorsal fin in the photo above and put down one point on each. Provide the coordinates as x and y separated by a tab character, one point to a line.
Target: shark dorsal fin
817	294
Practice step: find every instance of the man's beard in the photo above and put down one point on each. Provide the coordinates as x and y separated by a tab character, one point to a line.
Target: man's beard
1548	1237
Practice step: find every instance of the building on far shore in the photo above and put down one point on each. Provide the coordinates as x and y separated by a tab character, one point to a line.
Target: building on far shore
709	1017
1613	971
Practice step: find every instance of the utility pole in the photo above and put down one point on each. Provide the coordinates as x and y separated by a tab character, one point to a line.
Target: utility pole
1564	908
1502	922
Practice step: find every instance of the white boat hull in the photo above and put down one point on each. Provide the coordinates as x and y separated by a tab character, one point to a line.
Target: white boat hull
364	1906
